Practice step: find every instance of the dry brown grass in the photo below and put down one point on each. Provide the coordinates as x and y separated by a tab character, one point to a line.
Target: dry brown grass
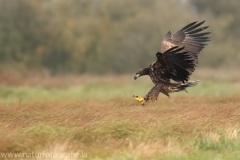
117	126
222	109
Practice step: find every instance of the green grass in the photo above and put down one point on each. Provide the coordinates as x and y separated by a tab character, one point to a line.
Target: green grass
106	91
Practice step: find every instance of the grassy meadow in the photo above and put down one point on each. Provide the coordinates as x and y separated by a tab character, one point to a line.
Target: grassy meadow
97	117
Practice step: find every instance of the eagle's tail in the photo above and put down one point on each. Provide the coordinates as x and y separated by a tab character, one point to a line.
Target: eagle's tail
183	86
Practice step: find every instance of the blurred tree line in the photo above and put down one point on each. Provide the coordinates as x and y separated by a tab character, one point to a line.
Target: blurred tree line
110	36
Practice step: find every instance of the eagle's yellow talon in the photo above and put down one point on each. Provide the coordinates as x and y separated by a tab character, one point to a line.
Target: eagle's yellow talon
139	99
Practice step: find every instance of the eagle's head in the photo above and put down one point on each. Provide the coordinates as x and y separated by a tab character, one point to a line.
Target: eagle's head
142	72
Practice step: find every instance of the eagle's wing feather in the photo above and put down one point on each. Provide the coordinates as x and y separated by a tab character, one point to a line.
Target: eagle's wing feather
174	64
188	37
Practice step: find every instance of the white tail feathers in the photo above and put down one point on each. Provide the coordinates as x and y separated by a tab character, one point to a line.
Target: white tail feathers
183	86
190	83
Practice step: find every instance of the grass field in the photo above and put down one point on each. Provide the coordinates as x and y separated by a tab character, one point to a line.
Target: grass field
96	118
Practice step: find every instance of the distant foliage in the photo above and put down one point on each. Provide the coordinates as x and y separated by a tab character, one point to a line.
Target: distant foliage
109	36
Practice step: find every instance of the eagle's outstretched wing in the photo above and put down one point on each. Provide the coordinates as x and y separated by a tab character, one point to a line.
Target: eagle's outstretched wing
189	37
174	64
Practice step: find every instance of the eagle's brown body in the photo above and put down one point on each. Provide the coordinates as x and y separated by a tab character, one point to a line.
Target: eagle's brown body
177	60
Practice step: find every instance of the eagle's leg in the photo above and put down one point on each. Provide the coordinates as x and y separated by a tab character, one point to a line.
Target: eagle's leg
165	92
152	95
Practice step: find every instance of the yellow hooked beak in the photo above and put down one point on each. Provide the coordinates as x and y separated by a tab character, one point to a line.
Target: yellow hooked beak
139	99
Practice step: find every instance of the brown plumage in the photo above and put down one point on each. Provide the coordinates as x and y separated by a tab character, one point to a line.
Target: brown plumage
177	60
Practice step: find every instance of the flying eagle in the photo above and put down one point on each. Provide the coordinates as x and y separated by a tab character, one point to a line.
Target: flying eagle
176	61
